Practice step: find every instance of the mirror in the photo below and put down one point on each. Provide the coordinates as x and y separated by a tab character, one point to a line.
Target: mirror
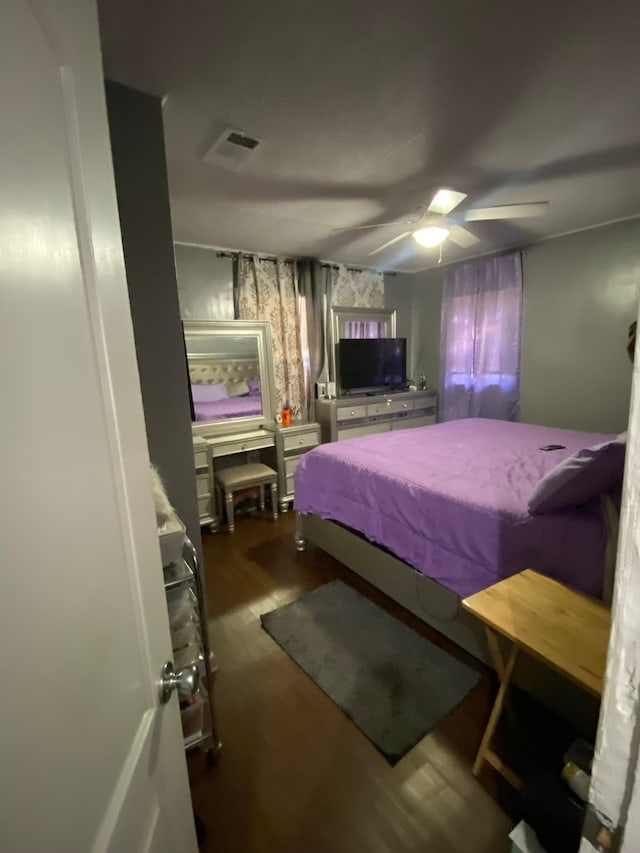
358	323
230	373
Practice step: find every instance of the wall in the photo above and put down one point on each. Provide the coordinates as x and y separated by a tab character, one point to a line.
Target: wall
426	306
137	144
580	293
205	284
397	296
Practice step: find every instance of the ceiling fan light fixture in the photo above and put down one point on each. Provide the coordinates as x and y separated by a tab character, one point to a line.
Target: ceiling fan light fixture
431	236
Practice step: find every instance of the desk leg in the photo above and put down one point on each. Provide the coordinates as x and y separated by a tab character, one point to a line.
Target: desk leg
485	752
499	666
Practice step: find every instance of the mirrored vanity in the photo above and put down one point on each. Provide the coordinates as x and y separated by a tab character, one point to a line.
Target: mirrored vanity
234	418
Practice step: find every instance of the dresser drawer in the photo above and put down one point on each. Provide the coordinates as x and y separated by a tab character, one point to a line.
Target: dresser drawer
359	432
412	423
238	446
351	413
300	440
390	407
202	486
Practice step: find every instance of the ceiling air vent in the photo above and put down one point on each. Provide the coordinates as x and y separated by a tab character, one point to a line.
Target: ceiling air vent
232	149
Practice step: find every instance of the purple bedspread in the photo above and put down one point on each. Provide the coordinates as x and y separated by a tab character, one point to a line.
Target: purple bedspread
231	407
451	500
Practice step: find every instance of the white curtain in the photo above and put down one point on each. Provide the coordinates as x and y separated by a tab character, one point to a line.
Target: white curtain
480	339
365	329
268	290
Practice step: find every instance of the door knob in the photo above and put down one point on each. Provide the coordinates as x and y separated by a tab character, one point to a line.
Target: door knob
185	682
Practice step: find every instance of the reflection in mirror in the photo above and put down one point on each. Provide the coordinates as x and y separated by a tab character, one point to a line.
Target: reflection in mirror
225	377
229	373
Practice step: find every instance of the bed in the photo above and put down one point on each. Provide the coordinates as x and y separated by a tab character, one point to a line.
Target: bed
434	514
451	500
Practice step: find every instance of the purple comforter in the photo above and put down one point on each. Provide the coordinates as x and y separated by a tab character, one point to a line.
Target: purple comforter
451	500
231	407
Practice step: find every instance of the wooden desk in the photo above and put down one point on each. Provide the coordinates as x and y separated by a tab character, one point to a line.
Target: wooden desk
564	629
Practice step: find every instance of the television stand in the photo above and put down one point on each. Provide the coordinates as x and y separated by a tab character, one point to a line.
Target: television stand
353	417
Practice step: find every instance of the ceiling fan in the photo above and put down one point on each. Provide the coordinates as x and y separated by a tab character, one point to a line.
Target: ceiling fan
436	225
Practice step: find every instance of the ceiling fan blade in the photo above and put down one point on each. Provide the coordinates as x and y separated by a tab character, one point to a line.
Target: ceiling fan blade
506	211
461	237
444	201
390	243
377	225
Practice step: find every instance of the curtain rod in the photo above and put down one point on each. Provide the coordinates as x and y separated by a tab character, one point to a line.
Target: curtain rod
234	255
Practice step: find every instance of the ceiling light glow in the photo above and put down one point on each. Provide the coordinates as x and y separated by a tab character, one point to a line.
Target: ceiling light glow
431	236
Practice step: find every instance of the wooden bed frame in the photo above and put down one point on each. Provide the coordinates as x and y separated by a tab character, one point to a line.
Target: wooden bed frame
441	609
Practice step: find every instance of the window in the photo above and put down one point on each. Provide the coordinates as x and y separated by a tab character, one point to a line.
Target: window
481	318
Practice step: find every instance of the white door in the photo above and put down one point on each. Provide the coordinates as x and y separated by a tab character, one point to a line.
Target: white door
89	760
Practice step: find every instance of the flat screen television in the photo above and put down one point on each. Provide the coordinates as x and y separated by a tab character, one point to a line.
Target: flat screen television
372	364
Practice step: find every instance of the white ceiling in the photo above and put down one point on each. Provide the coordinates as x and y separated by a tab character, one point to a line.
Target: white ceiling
367	107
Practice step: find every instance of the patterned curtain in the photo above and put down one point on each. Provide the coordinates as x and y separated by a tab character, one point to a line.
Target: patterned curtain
268	290
357	288
480	339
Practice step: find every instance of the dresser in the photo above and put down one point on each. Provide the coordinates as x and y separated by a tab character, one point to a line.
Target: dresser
353	417
292	442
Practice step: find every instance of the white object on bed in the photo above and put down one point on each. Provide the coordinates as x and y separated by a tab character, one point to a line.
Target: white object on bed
238	389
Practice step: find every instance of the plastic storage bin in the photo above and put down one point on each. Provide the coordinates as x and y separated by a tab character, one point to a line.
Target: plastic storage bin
171	535
181	604
184	636
192	716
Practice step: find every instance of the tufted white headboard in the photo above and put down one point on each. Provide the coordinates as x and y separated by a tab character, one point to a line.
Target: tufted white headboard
207	370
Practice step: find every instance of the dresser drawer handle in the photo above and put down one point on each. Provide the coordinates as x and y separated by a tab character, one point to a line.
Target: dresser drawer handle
404	405
352	413
244	446
301	441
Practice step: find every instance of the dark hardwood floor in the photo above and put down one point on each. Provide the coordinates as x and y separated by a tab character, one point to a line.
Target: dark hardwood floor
295	775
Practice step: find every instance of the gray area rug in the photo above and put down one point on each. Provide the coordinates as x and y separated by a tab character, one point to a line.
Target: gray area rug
394	684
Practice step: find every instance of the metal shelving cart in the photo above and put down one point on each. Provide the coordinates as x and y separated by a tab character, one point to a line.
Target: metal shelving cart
187	575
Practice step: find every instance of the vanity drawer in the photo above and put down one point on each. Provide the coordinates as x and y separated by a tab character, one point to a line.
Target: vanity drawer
202	486
231	447
290	466
300	440
389	407
204	505
200	458
351	413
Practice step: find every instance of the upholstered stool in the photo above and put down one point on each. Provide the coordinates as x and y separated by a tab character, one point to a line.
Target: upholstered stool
231	480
